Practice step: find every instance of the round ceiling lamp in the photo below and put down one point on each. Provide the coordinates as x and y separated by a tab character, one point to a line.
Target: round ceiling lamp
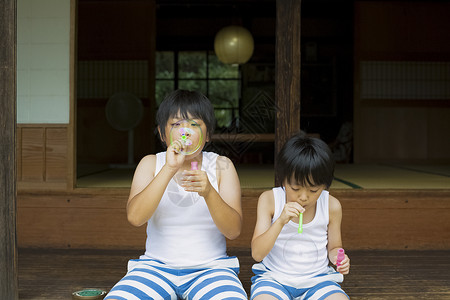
233	45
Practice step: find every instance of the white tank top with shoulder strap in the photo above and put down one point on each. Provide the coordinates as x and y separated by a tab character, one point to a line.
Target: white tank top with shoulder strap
181	232
302	254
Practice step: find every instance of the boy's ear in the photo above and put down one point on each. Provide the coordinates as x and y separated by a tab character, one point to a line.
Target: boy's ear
160	135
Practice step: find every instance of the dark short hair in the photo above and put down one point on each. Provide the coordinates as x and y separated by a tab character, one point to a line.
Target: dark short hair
184	102
306	161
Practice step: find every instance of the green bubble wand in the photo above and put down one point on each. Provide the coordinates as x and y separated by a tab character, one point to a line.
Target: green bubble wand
300	223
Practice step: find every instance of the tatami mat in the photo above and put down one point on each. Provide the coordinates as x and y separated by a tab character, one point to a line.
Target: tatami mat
263	176
381	176
347	176
118	178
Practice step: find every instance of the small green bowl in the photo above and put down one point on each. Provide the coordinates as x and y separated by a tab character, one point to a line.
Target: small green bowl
89	294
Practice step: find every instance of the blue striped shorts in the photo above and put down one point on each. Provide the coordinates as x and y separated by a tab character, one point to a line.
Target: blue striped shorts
266	282
282	292
150	279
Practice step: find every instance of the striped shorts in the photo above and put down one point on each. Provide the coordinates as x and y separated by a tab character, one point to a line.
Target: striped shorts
266	282
150	279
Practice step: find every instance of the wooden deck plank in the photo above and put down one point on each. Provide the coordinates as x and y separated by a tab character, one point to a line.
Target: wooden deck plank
375	274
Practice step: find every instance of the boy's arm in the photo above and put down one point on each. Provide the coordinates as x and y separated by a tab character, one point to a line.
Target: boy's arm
265	233
225	206
334	235
147	190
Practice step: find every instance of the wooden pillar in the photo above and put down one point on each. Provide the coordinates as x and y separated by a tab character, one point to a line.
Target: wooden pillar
152	74
8	207
287	72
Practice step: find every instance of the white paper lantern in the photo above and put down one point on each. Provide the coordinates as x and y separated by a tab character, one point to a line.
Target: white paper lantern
233	45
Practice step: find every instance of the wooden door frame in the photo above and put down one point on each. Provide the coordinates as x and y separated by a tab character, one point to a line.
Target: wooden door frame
71	128
8	204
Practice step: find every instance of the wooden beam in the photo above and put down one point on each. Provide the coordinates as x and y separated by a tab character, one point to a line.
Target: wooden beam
287	71
8	207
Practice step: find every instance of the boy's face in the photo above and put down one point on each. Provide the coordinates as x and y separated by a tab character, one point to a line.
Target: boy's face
189	131
306	196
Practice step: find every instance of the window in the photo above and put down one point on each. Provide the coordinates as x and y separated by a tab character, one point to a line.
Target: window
203	72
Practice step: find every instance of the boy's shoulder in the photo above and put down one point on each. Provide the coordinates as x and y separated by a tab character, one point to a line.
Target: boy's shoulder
223	161
266	201
267	196
148	159
334	204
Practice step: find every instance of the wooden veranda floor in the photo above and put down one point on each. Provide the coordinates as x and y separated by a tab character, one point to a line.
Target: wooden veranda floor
381	274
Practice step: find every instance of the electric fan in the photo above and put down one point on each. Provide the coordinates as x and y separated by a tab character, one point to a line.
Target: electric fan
124	111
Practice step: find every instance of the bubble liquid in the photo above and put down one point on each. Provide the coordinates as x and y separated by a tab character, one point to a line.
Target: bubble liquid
188	135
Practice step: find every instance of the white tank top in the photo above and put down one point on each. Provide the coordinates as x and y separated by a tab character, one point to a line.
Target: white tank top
181	232
302	254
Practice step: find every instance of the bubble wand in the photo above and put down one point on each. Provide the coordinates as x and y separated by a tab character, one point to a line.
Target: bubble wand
300	223
186	136
340	256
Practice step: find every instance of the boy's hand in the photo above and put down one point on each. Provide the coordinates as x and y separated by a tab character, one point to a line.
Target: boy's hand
291	211
196	181
344	266
174	159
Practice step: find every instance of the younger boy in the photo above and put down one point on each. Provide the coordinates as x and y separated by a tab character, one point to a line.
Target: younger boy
296	265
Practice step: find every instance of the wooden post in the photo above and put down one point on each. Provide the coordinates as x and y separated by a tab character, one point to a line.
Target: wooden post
287	72
152	74
8	207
